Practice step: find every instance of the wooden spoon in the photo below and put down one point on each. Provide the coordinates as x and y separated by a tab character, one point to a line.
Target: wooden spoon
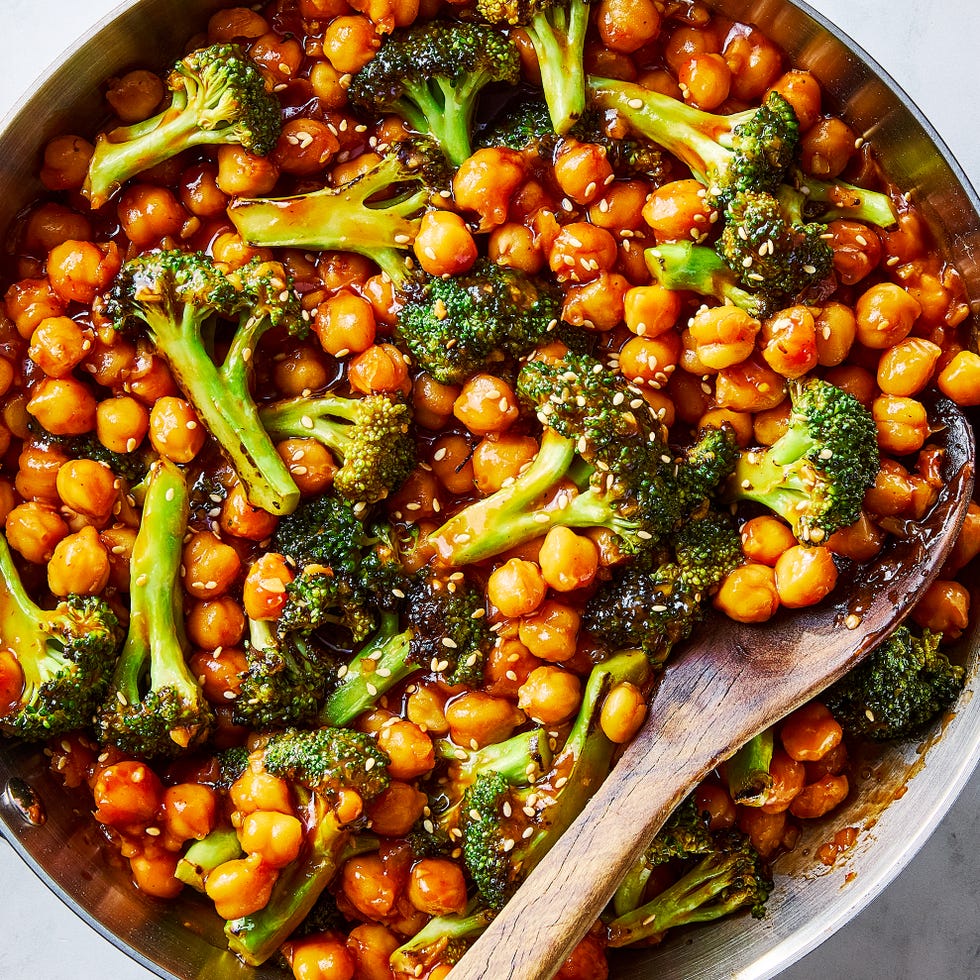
729	684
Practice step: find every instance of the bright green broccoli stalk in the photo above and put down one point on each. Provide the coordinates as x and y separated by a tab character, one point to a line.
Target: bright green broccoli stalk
317	764
176	297
731	877
370	436
898	690
556	29
748	771
376	214
443	939
599	433
218	97
54	663
155	705
816	474
459	325
652	605
204	855
432	74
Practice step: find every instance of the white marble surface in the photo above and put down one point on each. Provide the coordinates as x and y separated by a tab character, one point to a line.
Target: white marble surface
927	923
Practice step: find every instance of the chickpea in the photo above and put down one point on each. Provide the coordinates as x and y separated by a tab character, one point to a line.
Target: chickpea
835	328
477	719
66	161
805	575
50	224
960	379
568	560
371	945
219	672
855	380
508	666
802	91
619	206
650	361
264	591
765	538
121	423
433	401
723	335
764	829
244	174
34	529
678	211
189	811
902	424
153	870
409	748
326	83
967	545
242	519
749	387
395	811
236	24
260	791
37	472
688	40
906	368
705	80
860	542
650	311
63	406
748	594
175	430
550	695
199	192
368	886
320	957
551	633
885	315
349	43
127	795
857	250
210	566
711	798
79	564
310	464
790	342
303	369
623	712
598	304
628	25
788	778
148	214
754	62
810	732
486	404
943	608
827	147
485	183
58	346
517	587
436	886
135	95
305	146
29	302
241	887
444	245
381	367
515	246
280	57
88	488
499	458
581	252
230	252
819	798
582	170
275	837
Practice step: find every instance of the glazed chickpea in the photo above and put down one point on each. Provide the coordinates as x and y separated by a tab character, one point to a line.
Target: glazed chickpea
199	192
517	587
711	798
433	401
29	302
623	712
148	214
127	795
236	24
260	791
49	224
381	367
368	886
409	749
754	62
835	329
765	538
244	174
810	732
264	591
174	429
241	887
819	798
581	251
885	315
210	566
281	57
79	271
678	211
444	245
582	170
723	335
325	81
189	811
58	346
650	361
499	458
153	872
395	811
902	424
906	368
751	386
944	608
805	575
485	183
64	406
688	40
508	666
748	594
230	251
349	43
619	206
149	379
321	957
598	304
436	886
855	380
960	379
764	829
627	25
550	695
802	91
568	560
37	472
486	404
650	311
302	369
79	564
477	719
515	246
860	541
305	146
241	519
551	633
857	250
135	95
790	342
310	464
371	945
66	160
344	323
705	80
219	672
121	423
275	837
88	488
34	529
451	462
827	147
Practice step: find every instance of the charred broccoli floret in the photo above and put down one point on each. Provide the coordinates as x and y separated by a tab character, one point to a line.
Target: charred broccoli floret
432	74
177	298
898	690
155	705
815	475
54	663
218	96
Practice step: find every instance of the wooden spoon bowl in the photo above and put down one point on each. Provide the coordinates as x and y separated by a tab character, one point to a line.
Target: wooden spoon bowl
730	683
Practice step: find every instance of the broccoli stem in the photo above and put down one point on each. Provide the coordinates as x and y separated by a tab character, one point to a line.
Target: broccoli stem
749	780
203	856
221	398
23	625
519	759
256	937
309	418
557	34
436	106
380	665
629	894
438	933
847	201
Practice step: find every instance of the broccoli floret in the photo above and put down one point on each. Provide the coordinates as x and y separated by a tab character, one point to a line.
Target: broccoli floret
748	771
524	125
443	939
54	663
902	686
732	877
176	298
654	605
769	247
556	30
600	434
318	598
685	835
371	437
230	763
376	214
323	530
131	466
450	635
218	96
432	74
495	815
155	705
317	764
815	475
456	326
